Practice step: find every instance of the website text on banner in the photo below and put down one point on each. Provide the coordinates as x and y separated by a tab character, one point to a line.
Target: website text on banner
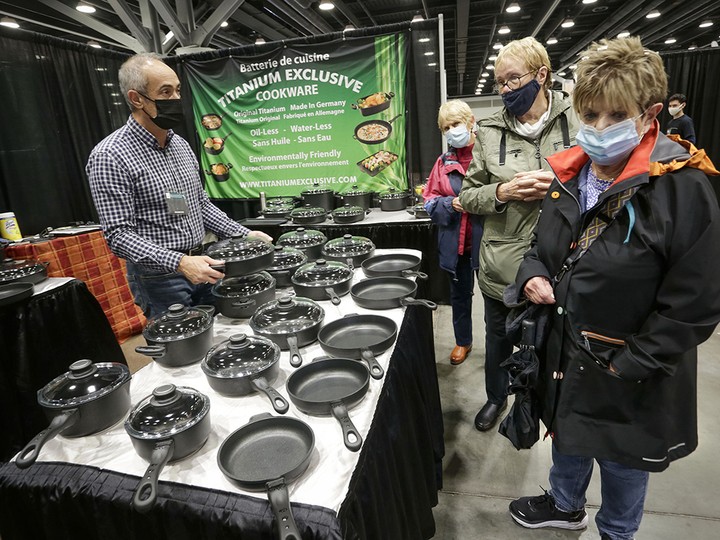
331	113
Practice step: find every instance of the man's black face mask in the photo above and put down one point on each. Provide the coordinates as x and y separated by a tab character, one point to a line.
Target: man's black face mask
169	112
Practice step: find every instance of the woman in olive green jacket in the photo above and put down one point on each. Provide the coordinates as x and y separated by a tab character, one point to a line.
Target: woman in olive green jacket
505	182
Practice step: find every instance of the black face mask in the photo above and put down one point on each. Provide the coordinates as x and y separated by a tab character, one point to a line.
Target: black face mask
169	112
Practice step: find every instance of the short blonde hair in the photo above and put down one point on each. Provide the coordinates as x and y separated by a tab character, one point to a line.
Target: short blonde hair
530	51
620	72
453	111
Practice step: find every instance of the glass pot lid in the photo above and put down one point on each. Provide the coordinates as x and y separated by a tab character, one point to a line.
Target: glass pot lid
307	211
238	248
287	315
394	194
348	211
244	286
278	210
355	190
280	201
287	257
178	322
316	188
302	238
168	410
239	356
84	382
348	245
322	272
11	270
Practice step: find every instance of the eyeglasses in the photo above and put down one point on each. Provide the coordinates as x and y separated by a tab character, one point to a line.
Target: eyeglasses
513	83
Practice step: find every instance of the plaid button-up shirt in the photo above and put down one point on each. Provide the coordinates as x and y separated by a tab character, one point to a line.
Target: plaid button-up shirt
130	175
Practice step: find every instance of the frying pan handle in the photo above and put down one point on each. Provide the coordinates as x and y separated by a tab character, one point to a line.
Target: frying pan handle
218	267
296	358
146	492
153	351
30	453
414	273
280	503
279	403
394	118
410	301
334	298
351	436
376	370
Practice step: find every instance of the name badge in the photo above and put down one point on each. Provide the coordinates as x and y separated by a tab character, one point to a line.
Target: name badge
176	203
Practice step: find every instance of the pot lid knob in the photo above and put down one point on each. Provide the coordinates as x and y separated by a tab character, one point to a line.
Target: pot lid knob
321	262
165	395
238	341
300	230
347	237
279	248
82	368
176	310
285	302
236	237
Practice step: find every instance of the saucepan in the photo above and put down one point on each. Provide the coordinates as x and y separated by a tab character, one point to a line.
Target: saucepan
373	103
166	426
86	399
241	255
323	280
220	171
268	453
215	145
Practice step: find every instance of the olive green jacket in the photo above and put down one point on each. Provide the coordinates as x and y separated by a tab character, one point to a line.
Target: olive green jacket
507	228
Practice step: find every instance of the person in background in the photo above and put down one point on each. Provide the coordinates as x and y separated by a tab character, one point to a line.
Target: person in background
627	250
147	190
681	124
505	182
458	232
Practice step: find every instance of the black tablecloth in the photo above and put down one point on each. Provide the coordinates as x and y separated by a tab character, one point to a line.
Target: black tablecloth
391	494
39	339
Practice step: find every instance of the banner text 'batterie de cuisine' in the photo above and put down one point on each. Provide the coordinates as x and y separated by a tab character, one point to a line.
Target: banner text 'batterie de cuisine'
291	74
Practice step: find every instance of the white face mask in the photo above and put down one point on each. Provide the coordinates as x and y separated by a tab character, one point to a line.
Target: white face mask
458	136
610	145
674	110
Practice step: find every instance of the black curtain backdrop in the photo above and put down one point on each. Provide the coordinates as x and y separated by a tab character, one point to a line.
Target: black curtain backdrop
57	105
697	75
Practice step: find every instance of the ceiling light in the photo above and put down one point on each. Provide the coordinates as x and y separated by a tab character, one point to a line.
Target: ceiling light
589	1
653	14
624	34
513	8
504	30
490	67
115	94
498	46
432	64
417	18
259	41
484	74
100	69
224	24
349	27
692	47
108	84
326	5
424	39
670	41
168	37
9	22
568	23
551	41
561	73
483	80
492	57
705	24
94	44
429	53
573	66
82	7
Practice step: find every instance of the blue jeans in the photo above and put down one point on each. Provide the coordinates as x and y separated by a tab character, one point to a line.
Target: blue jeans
497	349
622	489
461	293
155	292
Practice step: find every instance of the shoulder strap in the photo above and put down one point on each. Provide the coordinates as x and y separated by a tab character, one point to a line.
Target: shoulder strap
565	130
502	148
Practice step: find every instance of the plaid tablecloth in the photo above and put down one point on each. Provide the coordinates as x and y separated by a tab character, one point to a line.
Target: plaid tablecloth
87	257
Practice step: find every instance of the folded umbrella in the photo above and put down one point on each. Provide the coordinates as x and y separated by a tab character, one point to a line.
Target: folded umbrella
522	424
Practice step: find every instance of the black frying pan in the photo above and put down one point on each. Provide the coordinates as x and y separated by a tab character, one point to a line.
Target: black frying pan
331	386
359	336
214	140
382	124
267	453
393	264
387	293
212	121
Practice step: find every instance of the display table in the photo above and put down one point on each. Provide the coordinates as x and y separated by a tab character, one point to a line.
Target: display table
39	338
88	258
387	230
82	487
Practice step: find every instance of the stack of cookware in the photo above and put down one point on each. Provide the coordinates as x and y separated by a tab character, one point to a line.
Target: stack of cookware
309	241
173	421
17	279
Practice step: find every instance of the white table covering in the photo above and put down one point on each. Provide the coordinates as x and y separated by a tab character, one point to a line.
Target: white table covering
326	481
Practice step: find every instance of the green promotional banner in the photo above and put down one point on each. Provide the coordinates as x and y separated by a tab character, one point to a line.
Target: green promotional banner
332	114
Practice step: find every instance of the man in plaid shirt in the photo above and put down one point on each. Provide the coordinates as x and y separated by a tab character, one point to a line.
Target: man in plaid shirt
146	186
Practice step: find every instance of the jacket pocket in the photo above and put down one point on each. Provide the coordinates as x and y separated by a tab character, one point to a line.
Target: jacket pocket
500	259
599	347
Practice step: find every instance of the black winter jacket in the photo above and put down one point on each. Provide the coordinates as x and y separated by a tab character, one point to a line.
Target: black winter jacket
644	296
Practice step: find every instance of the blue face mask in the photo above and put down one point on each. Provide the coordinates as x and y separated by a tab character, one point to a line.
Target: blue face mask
519	101
458	136
610	145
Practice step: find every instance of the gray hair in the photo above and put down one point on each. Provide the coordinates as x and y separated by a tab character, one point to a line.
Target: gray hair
132	74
